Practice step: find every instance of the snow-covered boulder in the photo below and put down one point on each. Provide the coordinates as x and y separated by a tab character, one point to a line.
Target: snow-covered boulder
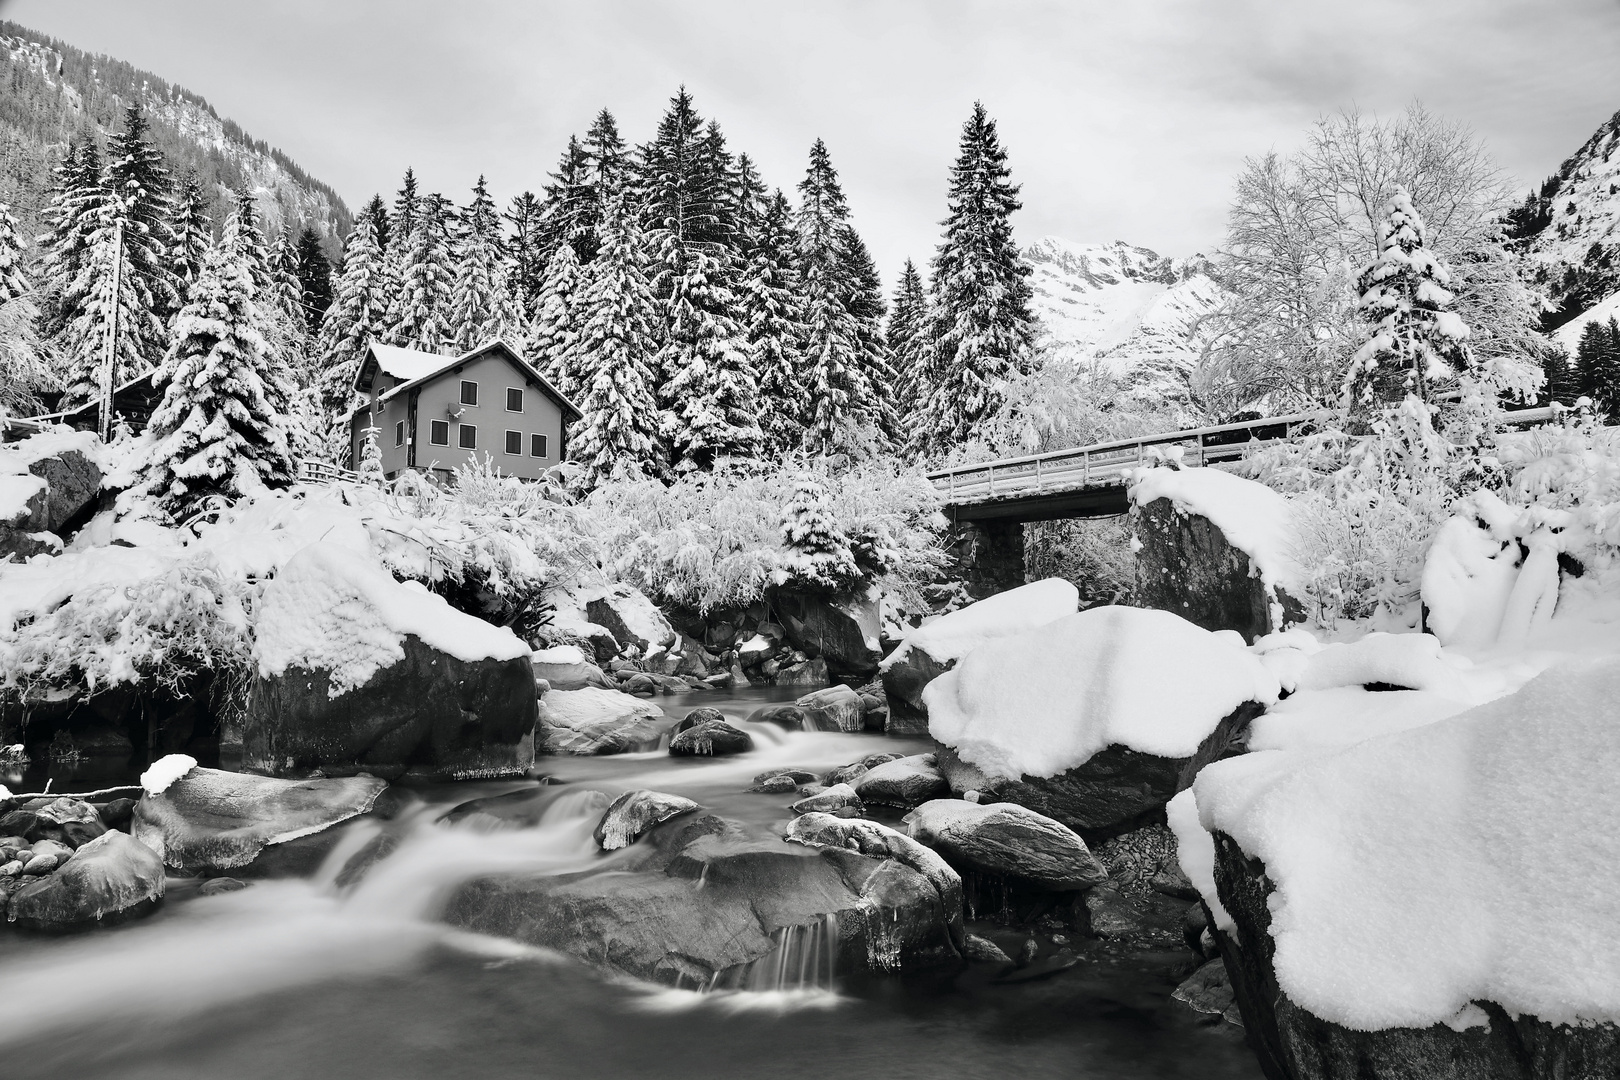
706	896
839	800
357	672
1007	841
930	650
1216	549
835	708
48	483
1432	902
208	819
110	879
564	667
631	617
906	781
633	813
710	738
597	721
842	632
1095	719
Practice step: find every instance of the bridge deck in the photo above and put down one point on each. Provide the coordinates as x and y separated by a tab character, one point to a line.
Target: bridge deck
1090	481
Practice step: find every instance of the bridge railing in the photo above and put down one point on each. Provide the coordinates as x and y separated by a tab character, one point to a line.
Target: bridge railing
1104	464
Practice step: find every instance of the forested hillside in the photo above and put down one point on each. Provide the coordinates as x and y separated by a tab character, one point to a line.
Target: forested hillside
54	94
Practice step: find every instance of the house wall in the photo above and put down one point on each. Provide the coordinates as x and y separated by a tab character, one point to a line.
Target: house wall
440	399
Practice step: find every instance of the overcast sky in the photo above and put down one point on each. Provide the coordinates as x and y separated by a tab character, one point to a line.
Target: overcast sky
1124	119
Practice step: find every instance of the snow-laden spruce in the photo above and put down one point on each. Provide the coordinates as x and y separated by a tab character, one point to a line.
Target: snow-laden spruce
419	314
554	331
481	307
1472	859
1044	701
216	431
711	401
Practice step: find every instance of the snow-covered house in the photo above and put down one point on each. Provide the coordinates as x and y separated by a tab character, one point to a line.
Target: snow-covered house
435	412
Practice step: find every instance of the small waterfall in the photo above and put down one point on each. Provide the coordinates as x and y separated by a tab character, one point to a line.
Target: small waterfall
804	958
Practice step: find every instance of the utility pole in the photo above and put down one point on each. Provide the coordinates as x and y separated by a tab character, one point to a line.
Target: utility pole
106	380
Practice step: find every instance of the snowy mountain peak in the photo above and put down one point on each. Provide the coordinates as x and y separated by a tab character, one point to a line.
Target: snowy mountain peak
1139	313
1571	227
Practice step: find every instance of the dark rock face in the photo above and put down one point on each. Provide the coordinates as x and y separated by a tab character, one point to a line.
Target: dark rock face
844	633
903	683
708	896
109	879
215	820
72	488
1114	791
839	800
988	556
73	822
1207	990
633	813
614	612
430	714
1007	841
698	716
1186	565
809	673
1294	1044
711	738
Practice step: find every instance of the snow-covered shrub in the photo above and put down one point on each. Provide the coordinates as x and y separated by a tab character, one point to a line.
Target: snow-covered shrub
721	539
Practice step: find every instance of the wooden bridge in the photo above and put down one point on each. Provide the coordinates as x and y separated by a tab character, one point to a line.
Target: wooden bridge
1090	481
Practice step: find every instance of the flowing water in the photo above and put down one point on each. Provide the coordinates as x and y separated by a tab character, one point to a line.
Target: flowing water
313	978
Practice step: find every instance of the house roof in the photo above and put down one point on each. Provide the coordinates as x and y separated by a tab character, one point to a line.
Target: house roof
416	367
146	379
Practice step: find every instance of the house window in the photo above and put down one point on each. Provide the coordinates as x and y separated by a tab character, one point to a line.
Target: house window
467	436
514	399
439	433
537	446
514	442
399	433
469	392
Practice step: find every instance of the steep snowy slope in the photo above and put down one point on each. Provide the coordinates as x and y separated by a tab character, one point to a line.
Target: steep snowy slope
55	94
1571	227
1136	311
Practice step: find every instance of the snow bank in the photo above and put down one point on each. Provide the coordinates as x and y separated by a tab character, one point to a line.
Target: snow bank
1471	859
165	771
558	654
48	444
1343	715
16	490
1195	852
951	637
329	608
1043	701
1412	661
1467	580
1254	519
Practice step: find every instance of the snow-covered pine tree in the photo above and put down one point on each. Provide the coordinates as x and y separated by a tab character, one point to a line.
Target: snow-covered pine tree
982	330
314	274
865	303
418	318
371	470
193	232
214	433
137	175
839	395
553	333
607	158
619	429
277	316
907	336
711	401
77	195
481	304
773	322
750	201
286	294
115	319
400	227
377	211
526	256
1415	339
818	555
357	315
1597	366
24	371
569	212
